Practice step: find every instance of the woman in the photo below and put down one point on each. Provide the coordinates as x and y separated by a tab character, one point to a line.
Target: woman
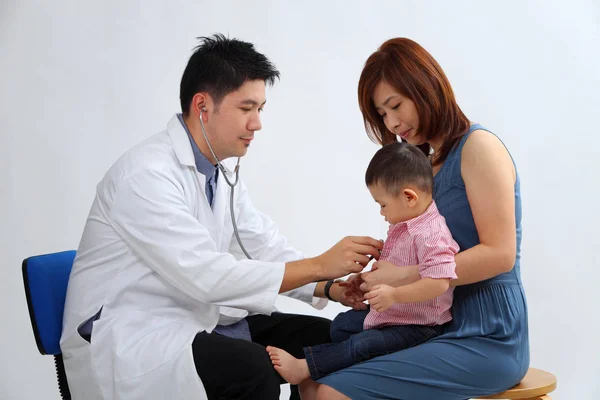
404	94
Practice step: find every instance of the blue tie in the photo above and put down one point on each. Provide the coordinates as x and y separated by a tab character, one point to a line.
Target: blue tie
211	187
239	330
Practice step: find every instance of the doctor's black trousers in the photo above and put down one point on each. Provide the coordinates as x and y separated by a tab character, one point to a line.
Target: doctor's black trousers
236	369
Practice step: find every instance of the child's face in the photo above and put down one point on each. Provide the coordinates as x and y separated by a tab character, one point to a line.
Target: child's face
395	209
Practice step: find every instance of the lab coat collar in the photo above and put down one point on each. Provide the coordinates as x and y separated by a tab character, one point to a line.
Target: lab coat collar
183	148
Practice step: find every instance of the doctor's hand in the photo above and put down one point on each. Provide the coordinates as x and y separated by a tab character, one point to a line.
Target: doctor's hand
351	291
349	255
344	297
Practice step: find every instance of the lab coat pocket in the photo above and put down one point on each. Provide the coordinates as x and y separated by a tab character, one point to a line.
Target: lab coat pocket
136	346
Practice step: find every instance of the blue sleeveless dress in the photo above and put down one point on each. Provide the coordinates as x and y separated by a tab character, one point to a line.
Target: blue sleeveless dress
485	348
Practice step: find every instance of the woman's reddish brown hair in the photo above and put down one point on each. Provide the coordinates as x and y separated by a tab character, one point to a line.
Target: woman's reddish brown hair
411	70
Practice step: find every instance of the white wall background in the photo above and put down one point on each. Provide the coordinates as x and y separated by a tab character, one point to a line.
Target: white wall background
81	82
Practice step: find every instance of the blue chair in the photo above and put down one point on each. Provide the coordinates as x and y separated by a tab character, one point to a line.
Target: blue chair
46	278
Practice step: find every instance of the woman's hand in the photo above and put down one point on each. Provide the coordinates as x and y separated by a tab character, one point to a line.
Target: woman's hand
386	273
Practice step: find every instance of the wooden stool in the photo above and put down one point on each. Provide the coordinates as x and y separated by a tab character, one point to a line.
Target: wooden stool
535	386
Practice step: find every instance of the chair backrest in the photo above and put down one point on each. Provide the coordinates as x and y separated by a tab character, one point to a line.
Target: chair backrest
46	277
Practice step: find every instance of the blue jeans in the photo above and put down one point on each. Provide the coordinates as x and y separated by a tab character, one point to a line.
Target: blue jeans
352	344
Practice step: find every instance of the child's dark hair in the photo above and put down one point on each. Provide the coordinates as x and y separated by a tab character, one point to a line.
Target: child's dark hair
397	165
220	66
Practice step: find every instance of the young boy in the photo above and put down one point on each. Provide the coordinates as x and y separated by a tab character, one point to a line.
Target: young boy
400	179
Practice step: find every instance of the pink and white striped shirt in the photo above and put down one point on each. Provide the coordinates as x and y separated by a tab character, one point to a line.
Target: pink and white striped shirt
425	241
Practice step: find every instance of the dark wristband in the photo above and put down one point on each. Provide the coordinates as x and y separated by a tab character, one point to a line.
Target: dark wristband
326	290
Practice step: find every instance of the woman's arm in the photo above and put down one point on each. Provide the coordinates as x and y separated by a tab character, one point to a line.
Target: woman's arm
382	297
489	176
384	272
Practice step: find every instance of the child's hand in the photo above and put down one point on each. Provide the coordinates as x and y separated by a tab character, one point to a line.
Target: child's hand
381	297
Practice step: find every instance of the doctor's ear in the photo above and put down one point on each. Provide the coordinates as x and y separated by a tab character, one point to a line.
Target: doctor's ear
200	101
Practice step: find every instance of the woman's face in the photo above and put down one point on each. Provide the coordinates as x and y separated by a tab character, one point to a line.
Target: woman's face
398	113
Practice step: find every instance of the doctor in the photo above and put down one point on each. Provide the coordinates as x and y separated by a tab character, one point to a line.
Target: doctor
162	303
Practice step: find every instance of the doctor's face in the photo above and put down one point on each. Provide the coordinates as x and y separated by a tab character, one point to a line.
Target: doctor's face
231	126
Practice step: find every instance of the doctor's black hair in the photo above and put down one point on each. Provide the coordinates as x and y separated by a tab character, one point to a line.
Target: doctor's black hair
398	165
219	66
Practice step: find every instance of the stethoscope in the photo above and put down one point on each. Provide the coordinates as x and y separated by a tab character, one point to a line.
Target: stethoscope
231	185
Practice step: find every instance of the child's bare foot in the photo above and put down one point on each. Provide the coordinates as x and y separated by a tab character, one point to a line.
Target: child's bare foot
290	368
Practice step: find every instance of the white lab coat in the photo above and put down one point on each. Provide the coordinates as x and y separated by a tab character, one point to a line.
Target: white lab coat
164	266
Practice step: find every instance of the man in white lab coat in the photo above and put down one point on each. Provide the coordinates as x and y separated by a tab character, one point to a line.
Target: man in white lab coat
162	303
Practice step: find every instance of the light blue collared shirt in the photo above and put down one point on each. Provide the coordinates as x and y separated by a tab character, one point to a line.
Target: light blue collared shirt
239	330
203	166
